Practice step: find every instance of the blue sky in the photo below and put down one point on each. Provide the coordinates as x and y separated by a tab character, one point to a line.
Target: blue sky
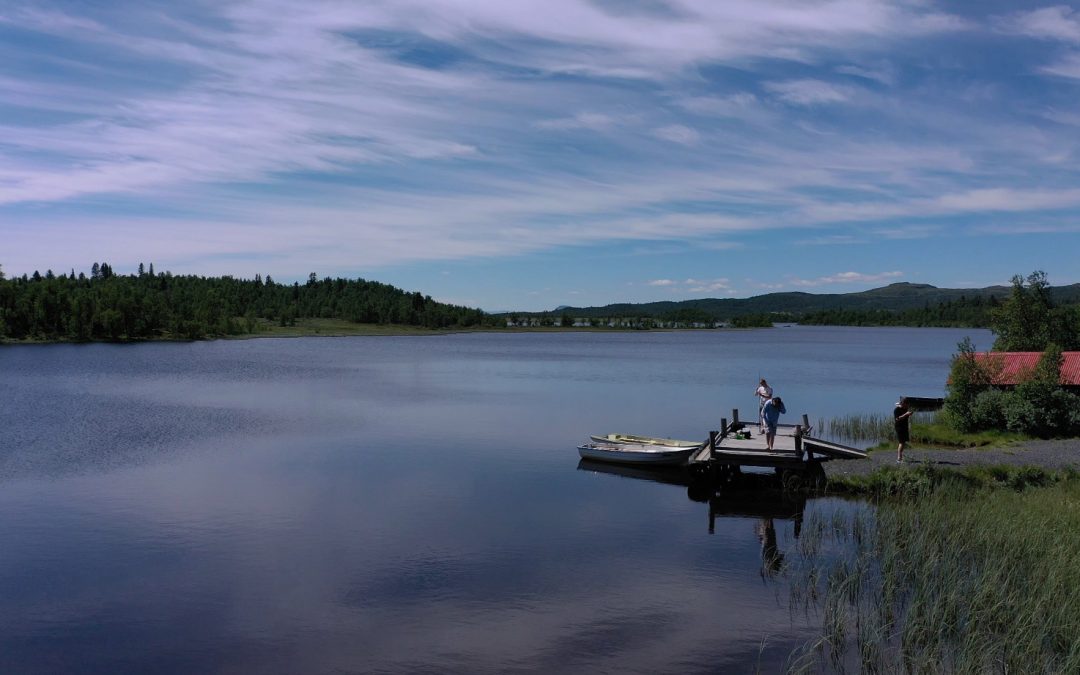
528	154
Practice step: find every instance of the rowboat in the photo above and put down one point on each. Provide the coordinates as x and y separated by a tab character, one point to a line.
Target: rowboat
646	440
636	453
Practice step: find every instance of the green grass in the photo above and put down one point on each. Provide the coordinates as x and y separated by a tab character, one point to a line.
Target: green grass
896	481
956	574
927	428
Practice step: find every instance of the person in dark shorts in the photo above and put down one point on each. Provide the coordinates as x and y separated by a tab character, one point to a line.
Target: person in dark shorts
770	414
902	421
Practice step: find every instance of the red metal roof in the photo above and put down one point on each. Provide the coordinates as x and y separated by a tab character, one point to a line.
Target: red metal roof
1014	367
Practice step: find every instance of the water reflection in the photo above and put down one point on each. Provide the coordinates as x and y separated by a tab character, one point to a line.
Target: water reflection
756	496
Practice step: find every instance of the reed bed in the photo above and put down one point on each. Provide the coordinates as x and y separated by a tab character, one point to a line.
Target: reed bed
927	428
874	427
951	576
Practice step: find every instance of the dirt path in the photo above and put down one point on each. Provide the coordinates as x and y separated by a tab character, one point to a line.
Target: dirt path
1047	454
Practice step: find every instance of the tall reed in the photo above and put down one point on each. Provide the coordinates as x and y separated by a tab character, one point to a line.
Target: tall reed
952	577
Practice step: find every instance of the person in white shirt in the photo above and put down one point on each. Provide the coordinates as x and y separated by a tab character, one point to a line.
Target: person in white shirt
764	393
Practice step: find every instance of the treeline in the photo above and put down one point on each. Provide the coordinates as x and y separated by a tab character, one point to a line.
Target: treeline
146	305
965	312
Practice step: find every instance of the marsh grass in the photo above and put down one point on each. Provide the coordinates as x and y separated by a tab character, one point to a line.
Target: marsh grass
927	428
964	573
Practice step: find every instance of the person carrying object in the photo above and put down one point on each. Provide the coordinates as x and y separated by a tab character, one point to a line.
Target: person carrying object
764	393
770	414
902	422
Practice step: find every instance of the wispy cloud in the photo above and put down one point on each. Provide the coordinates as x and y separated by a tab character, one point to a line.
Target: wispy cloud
808	92
847	278
343	137
883	74
709	286
1049	23
583	120
678	133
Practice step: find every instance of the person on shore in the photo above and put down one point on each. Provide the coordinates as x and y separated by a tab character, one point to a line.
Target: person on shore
764	393
770	413
902	421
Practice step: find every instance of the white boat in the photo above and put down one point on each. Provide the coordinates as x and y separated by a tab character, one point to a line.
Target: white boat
646	440
636	453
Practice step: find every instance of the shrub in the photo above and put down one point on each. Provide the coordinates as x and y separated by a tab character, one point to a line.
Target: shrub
987	410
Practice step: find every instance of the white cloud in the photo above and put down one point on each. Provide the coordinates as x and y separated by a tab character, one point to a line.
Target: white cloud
678	133
661	282
288	138
1066	66
735	105
885	75
808	92
831	240
709	286
1049	23
583	120
847	278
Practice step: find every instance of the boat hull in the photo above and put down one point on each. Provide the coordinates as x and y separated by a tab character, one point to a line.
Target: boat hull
635	453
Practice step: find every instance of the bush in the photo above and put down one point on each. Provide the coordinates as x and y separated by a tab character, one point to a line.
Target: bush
967	379
987	410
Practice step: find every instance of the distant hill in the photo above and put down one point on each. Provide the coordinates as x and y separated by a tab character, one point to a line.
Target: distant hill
894	298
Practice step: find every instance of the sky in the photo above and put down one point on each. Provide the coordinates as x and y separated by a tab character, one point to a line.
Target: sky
527	154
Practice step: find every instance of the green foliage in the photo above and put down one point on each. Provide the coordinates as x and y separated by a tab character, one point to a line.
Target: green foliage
753	321
968	378
962	312
107	306
1029	322
1038	406
988	409
688	316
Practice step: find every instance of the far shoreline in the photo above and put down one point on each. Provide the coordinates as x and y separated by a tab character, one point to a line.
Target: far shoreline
333	328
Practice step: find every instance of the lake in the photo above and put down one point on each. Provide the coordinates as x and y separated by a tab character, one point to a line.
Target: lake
405	504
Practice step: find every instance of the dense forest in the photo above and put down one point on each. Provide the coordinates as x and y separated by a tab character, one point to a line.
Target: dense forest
964	312
147	305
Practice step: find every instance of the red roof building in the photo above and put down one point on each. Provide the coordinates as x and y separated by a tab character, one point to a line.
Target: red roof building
1012	368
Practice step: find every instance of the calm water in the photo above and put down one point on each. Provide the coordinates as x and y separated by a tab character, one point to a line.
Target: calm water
403	505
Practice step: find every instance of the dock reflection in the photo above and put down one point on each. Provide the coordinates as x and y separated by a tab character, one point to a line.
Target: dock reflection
756	496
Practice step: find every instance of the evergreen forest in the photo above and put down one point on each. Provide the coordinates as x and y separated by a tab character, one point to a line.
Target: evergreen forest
148	305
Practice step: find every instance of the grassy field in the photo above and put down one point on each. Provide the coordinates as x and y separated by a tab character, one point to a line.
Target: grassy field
967	572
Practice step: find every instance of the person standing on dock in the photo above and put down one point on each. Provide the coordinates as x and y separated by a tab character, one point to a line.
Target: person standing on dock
764	393
770	413
902	421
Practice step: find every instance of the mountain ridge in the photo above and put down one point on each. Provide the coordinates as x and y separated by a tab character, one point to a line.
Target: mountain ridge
893	297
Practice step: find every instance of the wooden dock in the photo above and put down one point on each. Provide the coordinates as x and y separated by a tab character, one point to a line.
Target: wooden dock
796	456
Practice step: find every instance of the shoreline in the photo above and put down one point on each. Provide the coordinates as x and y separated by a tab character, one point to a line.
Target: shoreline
1051	455
343	329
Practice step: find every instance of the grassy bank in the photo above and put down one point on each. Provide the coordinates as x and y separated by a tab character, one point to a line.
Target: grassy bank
968	571
926	429
907	482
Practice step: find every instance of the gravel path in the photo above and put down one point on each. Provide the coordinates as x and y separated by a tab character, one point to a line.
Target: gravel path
1047	454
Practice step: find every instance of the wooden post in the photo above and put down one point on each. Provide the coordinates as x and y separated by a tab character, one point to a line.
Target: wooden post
734	417
806	422
712	444
723	427
798	441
